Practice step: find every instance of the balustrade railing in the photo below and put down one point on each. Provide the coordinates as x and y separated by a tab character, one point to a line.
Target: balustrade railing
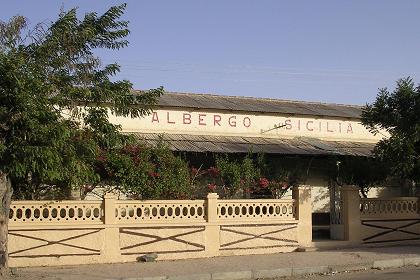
56	212
256	209
401	207
149	211
160	210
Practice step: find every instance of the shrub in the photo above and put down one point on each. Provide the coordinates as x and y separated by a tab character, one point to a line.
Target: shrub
145	172
248	176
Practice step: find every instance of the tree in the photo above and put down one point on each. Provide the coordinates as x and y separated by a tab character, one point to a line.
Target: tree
55	98
363	172
398	115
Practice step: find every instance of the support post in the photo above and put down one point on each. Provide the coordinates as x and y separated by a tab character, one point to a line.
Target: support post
302	196
109	208
212	232
111	246
351	213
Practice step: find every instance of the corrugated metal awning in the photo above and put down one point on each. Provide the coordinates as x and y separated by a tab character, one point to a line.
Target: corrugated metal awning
238	144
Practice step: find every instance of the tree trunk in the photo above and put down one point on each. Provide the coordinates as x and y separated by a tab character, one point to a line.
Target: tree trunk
5	200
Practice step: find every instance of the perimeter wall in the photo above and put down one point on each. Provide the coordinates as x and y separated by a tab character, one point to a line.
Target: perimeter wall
47	233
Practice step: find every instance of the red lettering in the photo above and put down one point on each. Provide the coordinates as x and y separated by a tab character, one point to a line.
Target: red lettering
232	121
247	122
328	129
155	117
186	118
288	124
349	128
216	120
307	126
167	118
201	119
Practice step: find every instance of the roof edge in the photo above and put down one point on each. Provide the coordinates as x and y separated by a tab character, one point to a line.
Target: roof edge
259	98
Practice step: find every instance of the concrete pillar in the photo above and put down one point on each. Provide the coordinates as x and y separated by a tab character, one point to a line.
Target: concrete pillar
351	213
212	232
302	196
212	207
109	208
111	246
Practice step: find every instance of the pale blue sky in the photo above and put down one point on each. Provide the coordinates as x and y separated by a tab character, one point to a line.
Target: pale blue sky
328	51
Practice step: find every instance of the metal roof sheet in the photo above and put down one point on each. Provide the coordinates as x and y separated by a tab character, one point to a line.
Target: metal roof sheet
261	105
238	144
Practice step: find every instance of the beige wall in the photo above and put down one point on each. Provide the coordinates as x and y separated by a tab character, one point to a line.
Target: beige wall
80	232
321	196
47	233
390	220
251	124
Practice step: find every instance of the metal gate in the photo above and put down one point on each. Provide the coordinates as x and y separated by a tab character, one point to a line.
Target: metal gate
336	207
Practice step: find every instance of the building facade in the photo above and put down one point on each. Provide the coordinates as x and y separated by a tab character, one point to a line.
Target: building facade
203	123
110	230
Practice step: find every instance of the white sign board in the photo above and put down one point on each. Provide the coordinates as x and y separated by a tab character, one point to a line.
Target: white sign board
247	125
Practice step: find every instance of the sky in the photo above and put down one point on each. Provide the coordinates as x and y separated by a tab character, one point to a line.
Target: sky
323	51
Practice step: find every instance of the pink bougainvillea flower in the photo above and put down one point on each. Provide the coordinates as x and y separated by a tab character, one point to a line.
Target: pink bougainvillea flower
211	187
263	182
213	171
194	171
131	149
154	174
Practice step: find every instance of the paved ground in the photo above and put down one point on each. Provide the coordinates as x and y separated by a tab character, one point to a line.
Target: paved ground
253	263
406	273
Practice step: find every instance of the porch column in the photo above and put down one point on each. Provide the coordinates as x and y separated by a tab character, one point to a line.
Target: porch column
351	213
302	196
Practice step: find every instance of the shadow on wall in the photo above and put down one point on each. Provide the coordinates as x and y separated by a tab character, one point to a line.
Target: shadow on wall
305	195
392	187
321	199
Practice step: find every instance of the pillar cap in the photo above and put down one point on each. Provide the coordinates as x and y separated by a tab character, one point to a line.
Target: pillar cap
110	196
303	187
212	195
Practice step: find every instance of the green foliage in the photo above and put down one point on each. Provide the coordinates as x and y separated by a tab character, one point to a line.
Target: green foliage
230	174
144	172
363	172
55	99
398	114
246	176
237	175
